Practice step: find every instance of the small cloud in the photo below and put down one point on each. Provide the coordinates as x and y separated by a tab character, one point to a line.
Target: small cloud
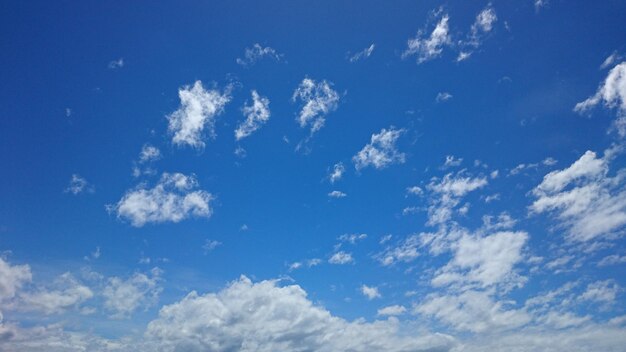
451	161
78	185
428	47
370	292
318	100
243	227
337	172
337	194
257	114
442	97
115	64
610	60
256	53
149	153
210	245
415	190
381	151
340	258
363	54
68	112
352	238
392	310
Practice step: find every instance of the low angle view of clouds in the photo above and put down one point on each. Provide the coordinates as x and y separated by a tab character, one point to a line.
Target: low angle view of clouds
313	176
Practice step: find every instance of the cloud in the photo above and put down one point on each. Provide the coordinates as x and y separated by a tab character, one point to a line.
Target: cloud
318	100
336	173
583	198
352	238
12	278
443	96
429	47
363	54
392	310
480	28
256	53
65	293
78	184
381	151
115	64
446	193
337	194
610	60
472	311
484	261
451	161
405	251
256	115
123	297
233	319
172	199
601	291
612	92
612	260
210	245
370	292
341	257
149	153
198	110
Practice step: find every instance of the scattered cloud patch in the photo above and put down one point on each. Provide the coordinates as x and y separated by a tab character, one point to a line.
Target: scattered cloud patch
210	245
392	310
370	292
115	64
198	111
122	297
363	54
149	153
341	257
337	194
427	47
78	184
256	115
318	99
256	53
337	172
381	151
443	97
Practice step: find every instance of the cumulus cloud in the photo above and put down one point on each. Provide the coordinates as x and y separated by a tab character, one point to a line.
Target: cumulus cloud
611	92
584	198
601	291
341	257
264	316
337	194
406	251
381	151
198	111
123	297
318	99
66	293
256	53
337	172
428	47
392	310
256	115
363	54
443	96
78	184
370	292
446	194
172	199
149	153
12	278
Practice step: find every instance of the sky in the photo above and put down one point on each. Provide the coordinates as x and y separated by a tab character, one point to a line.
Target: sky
313	176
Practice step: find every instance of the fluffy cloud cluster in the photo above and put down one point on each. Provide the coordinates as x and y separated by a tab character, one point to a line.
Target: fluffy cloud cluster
264	316
318	100
584	198
198	110
65	293
446	195
172	199
381	151
256	115
612	92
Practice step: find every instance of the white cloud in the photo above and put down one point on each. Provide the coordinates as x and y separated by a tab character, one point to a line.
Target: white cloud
256	53
198	110
443	96
610	60
583	198
172	199
601	291
232	319
613	93
341	257
123	297
472	311
405	251
431	47
337	172
256	115
612	260
363	54
115	64
337	194
65	293
480	28
447	192
149	153
485	261
12	278
392	310
381	151
451	161
415	190
370	292
540	3
318	100
210	245
352	238
78	184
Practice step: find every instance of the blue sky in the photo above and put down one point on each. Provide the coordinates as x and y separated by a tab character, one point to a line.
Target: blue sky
319	176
